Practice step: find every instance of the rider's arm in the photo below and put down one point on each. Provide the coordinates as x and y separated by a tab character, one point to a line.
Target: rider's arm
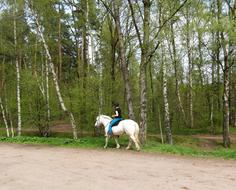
116	114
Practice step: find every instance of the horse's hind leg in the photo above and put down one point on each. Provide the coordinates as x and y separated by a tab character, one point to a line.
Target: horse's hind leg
117	143
135	142
129	145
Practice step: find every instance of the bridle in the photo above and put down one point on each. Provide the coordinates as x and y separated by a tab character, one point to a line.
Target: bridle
99	123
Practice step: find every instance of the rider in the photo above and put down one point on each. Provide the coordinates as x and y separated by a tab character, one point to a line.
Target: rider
116	117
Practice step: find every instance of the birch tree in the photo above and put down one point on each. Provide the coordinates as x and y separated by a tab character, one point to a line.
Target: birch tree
55	80
165	98
4	117
18	89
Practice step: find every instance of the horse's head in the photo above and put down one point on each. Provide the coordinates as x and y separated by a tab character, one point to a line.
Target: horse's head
98	122
102	120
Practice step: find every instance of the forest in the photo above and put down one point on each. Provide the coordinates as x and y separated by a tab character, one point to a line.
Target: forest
170	64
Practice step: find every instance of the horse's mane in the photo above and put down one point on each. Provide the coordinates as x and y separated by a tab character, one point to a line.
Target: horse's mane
105	116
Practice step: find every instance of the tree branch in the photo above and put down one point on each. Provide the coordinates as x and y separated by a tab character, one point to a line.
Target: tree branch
108	9
162	26
135	24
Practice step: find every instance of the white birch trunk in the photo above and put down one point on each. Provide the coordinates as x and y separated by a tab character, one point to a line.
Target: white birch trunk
160	126
4	117
166	104
226	137
226	92
8	114
61	101
190	81
59	45
18	90
47	95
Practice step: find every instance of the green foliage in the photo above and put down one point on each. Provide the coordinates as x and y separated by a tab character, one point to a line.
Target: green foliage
90	87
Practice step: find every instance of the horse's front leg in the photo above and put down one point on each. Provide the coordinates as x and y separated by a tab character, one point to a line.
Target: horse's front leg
117	143
106	141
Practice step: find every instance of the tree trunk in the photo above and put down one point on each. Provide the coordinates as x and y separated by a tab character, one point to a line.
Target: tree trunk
59	46
152	91
177	92
143	103
47	97
200	63
125	71
212	96
190	66
113	43
160	126
4	117
226	76
166	103
218	58
213	81
143	71
7	112
226	138
18	90
61	101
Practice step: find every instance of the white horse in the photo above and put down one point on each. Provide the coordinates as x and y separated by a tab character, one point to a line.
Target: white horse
127	126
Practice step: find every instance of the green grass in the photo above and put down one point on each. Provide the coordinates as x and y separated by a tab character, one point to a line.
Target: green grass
218	152
184	145
88	142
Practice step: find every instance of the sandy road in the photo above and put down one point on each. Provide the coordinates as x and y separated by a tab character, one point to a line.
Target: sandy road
25	167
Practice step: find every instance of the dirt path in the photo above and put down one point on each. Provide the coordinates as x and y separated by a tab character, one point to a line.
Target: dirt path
27	167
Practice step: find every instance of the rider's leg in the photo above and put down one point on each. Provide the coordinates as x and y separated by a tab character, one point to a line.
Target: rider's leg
112	124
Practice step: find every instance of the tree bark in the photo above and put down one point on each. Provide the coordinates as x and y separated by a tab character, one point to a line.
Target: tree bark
166	103
226	138
226	113
143	71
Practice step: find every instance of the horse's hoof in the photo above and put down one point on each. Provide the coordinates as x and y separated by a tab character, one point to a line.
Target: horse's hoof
105	147
127	148
118	147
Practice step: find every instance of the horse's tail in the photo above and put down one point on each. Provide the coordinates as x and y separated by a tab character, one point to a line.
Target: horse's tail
136	133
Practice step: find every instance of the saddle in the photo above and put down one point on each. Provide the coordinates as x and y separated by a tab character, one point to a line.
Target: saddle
116	123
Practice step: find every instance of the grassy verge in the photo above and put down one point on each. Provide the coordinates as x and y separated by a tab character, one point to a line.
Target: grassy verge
184	146
218	152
